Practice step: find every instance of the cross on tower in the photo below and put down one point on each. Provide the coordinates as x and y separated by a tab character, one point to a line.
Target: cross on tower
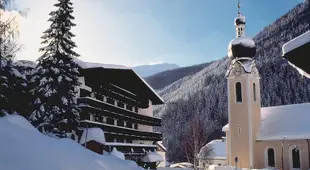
239	6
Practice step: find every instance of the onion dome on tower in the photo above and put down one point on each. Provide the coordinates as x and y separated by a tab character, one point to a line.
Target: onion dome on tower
241	46
241	50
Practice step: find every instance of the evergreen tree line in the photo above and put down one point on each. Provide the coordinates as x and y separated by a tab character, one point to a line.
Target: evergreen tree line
43	92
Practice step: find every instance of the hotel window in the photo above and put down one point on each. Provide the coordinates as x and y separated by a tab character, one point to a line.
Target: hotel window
110	100
98	119
109	138
271	157
99	96
238	92
128	140
84	93
254	91
110	121
136	109
120	123
136	125
120	140
129	124
120	104
129	107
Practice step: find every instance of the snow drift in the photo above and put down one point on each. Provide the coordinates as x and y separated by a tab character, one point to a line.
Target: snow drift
22	147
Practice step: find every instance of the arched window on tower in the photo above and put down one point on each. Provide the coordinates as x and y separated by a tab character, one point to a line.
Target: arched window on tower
254	91
238	92
296	157
270	157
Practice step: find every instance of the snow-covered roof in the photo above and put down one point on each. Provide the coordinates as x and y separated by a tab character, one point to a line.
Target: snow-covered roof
86	65
218	149
152	157
296	42
277	122
117	154
225	128
241	47
93	134
28	149
244	40
161	99
239	20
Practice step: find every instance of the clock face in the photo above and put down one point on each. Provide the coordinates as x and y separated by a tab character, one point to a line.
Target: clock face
238	71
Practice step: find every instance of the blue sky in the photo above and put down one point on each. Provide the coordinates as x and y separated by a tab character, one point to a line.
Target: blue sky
135	32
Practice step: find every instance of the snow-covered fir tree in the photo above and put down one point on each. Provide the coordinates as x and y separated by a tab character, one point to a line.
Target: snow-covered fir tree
23	97
56	78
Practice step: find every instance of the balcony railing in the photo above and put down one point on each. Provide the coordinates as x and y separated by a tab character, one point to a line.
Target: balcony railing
118	112
123	131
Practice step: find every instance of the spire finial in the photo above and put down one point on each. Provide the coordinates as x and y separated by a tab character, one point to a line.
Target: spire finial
239	6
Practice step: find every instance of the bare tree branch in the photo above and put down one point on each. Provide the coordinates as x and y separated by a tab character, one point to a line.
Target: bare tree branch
195	137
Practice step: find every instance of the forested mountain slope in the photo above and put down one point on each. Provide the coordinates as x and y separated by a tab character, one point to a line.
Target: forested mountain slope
162	79
204	92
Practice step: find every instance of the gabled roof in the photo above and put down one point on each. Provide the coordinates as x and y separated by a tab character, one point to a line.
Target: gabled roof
290	121
122	76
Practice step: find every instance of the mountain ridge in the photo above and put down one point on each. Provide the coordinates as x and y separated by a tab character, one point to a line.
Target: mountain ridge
148	70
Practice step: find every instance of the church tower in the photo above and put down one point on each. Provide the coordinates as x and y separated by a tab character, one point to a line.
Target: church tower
243	98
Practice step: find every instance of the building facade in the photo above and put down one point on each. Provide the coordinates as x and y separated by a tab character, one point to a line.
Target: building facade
119	102
270	137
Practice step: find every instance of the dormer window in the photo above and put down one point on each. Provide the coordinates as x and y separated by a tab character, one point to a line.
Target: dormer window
238	92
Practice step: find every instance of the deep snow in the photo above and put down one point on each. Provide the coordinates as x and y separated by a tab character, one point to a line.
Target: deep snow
22	147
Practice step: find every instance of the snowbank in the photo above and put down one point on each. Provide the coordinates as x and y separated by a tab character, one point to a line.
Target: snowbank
93	134
24	148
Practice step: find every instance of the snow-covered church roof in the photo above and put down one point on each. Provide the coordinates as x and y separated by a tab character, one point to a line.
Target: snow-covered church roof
290	121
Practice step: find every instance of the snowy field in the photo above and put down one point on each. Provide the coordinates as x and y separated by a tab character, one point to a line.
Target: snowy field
23	147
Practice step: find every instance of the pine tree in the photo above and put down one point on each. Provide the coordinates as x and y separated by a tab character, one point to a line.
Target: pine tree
56	78
22	94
